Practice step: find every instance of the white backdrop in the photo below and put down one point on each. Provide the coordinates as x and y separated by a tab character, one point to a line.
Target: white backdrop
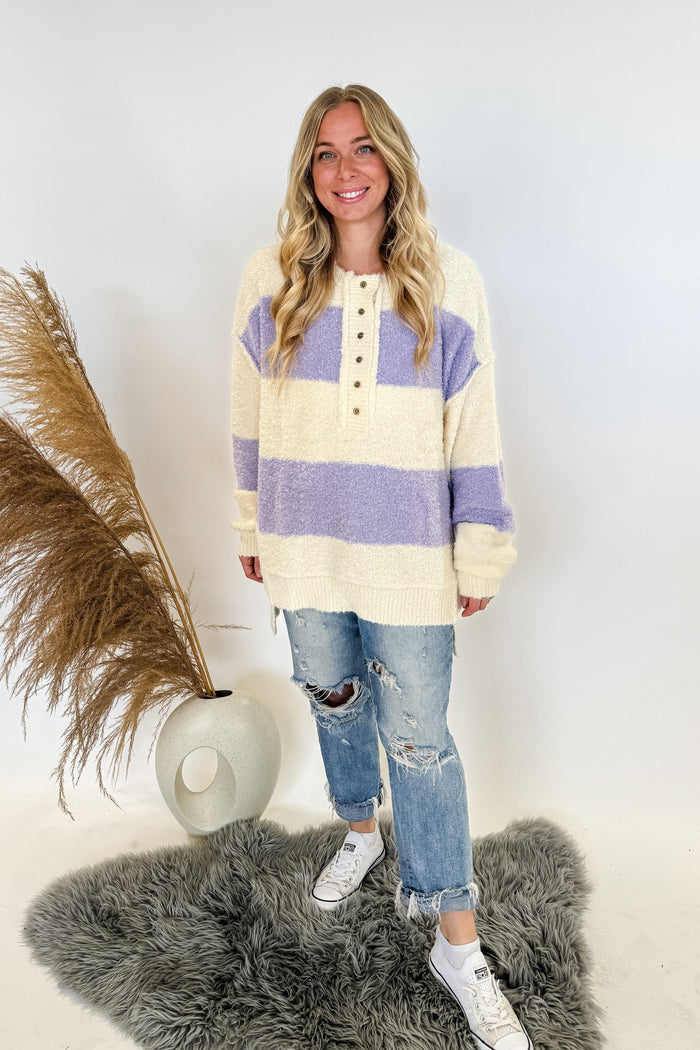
144	150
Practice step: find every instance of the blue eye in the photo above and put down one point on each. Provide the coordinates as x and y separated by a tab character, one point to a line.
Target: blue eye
368	149
324	154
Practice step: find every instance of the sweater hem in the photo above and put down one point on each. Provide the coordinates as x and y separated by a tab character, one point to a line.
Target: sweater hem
408	606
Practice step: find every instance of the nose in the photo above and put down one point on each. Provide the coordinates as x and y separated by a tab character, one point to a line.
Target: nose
347	167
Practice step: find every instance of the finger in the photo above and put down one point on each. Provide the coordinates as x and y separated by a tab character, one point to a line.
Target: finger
473	605
258	573
248	566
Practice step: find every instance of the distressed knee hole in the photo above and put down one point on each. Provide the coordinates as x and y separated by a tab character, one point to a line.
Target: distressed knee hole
336	699
398	748
385	677
334	706
418	759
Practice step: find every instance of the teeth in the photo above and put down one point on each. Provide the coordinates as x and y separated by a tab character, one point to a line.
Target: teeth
349	196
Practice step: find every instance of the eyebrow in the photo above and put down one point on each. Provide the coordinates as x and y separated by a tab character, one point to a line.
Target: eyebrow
360	138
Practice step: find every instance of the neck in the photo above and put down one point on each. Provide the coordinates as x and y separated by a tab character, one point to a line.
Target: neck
358	247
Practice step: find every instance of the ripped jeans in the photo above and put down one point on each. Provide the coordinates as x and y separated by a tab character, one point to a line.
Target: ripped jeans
400	678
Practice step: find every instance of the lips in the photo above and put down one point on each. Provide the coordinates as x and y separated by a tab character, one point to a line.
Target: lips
352	195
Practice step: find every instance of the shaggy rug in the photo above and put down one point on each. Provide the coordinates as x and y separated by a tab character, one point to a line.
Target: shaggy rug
217	945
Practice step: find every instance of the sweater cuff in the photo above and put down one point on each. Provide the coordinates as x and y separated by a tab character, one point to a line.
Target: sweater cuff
476	586
248	545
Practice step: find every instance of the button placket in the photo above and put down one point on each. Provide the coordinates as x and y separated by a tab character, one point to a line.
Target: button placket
357	383
360	304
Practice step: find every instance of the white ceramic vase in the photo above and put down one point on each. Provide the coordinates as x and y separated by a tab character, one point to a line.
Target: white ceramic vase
247	744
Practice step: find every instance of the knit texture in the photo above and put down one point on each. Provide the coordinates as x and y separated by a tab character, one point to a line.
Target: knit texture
363	484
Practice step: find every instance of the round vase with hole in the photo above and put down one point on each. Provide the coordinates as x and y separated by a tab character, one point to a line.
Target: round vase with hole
245	738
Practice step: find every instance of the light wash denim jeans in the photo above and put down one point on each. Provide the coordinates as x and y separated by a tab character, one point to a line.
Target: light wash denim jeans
401	684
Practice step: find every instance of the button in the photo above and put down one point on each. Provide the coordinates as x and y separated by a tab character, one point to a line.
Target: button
359	360
357	382
356	411
360	311
360	334
363	284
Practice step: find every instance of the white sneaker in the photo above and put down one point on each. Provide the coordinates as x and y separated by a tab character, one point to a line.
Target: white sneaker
491	1019
343	876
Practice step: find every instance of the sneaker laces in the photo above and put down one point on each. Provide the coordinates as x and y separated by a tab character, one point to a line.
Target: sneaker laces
491	1007
344	865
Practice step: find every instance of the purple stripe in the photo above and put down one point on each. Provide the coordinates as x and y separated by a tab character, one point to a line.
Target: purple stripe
452	359
355	502
259	334
245	458
319	355
459	361
397	345
478	496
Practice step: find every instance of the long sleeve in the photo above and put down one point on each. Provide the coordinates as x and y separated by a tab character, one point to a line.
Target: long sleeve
245	409
481	516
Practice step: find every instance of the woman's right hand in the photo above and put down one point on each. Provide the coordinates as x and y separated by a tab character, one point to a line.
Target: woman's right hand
251	567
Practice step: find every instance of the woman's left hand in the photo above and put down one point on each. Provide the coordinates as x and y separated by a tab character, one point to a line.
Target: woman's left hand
473	605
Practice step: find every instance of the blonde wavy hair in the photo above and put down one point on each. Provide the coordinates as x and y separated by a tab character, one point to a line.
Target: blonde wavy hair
307	252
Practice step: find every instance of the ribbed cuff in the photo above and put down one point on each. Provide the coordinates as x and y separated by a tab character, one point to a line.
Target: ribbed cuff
476	586
248	545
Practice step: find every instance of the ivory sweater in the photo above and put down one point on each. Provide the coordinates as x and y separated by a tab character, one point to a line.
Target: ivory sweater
365	485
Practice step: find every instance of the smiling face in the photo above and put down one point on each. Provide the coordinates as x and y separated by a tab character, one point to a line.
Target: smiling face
350	178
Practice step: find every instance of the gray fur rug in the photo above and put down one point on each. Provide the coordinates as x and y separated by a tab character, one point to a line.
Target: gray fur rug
217	944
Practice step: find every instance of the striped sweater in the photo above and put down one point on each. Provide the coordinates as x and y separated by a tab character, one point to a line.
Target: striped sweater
364	485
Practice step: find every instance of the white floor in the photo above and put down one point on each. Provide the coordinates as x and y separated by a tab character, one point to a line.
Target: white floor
642	927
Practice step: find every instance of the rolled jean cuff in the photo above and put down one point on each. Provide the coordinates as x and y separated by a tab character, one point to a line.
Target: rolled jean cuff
462	898
356	811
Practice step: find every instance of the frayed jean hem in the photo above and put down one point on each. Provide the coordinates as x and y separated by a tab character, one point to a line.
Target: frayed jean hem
409	903
356	811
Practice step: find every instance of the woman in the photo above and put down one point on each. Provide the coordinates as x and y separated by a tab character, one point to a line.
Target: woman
371	503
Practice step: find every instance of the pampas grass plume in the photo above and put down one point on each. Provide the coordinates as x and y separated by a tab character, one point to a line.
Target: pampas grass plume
94	615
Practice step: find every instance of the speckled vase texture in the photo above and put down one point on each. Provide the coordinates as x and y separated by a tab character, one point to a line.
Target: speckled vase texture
218	946
247	743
